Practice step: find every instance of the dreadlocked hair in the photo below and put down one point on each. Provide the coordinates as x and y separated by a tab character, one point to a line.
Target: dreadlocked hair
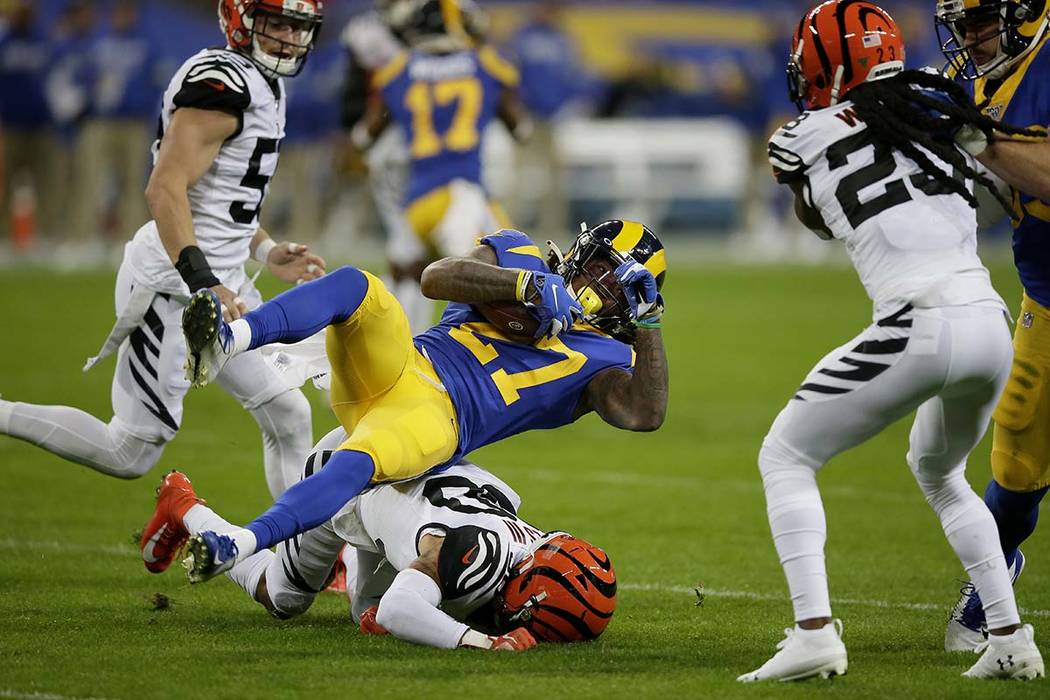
923	108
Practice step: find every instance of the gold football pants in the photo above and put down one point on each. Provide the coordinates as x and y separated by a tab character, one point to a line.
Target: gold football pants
1021	437
385	393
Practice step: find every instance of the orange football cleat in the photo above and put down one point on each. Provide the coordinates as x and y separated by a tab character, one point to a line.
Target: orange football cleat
165	534
369	624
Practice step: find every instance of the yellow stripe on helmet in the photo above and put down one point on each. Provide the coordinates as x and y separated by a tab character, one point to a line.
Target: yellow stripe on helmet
657	264
628	236
450	13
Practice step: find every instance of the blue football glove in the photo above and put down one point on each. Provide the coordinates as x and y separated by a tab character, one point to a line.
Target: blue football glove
554	307
639	286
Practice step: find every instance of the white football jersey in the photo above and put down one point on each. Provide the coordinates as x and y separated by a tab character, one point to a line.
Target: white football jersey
911	240
225	203
475	512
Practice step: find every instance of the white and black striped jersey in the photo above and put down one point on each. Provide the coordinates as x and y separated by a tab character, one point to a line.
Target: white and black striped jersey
476	513
911	240
225	203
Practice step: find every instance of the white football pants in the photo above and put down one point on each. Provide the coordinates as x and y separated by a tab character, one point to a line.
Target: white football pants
950	363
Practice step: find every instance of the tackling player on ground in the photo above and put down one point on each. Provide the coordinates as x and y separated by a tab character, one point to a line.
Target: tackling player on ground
442	560
1000	47
872	162
410	405
220	130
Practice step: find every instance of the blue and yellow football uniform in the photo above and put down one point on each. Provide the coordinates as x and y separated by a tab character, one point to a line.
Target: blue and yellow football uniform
501	387
1021	438
416	405
443	104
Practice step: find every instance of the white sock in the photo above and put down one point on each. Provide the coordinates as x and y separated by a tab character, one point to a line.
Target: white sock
6	408
200	518
247	573
242	335
796	519
971	531
246	543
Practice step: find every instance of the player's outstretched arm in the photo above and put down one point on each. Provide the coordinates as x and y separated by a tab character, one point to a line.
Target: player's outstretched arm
1024	165
410	609
633	401
189	147
475	279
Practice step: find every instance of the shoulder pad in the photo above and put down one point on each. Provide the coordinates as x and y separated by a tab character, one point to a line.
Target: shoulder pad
215	81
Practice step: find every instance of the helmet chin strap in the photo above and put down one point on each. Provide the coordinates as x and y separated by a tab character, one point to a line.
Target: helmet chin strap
836	85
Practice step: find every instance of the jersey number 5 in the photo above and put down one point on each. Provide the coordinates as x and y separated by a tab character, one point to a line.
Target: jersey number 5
463	132
242	212
469	335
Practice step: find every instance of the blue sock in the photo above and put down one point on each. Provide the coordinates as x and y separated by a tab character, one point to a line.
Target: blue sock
1015	514
302	311
315	499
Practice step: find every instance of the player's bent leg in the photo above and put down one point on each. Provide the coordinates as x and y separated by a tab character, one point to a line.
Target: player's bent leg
369	352
287	318
80	437
283	417
300	570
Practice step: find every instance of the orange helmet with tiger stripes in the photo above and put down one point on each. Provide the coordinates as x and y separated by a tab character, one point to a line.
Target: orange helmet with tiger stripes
838	45
565	591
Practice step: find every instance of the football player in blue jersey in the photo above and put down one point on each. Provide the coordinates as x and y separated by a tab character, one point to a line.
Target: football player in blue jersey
999	48
441	94
410	405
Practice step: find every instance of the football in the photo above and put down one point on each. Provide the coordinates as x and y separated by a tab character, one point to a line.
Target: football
511	318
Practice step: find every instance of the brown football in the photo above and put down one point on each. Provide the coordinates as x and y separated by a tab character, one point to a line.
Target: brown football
511	318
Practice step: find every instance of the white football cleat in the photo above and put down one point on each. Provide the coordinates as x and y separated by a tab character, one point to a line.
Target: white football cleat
804	654
1011	657
966	630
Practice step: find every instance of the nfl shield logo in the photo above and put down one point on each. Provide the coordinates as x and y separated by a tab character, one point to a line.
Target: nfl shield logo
994	112
1027	318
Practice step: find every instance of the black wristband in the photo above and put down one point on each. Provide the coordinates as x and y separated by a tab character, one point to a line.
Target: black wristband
193	268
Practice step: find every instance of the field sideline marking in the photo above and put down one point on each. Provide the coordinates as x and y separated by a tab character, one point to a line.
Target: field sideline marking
128	551
19	695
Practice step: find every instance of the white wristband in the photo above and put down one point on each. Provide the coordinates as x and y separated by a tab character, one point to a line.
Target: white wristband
473	638
262	251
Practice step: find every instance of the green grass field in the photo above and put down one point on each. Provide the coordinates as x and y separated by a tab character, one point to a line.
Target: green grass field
673	508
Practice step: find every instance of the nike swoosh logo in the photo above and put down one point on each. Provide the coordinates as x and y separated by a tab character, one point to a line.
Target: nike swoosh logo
221	87
147	551
468	556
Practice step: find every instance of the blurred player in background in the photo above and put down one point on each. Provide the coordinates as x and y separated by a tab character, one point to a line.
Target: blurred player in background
872	162
412	404
372	41
441	95
220	131
1000	47
32	155
443	560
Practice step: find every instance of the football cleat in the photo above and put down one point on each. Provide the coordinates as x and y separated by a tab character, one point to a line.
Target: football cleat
966	629
209	340
165	534
804	654
1009	657
209	554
